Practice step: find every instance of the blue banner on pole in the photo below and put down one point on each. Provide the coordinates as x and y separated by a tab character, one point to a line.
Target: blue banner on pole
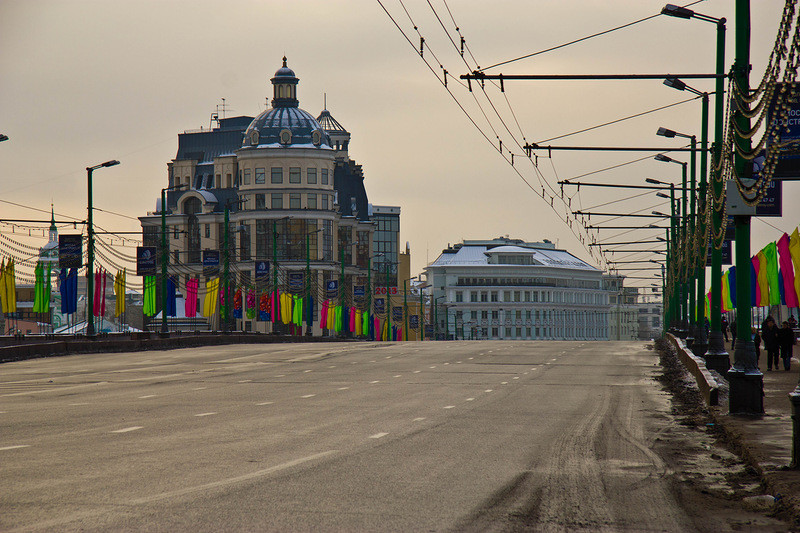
146	261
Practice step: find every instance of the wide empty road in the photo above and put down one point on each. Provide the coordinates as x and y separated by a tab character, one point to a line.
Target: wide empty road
432	436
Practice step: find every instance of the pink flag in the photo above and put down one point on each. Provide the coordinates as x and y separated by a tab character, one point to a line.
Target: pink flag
787	270
191	297
756	263
104	276
97	292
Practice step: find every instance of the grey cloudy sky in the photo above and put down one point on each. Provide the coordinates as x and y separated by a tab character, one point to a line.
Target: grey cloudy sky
86	81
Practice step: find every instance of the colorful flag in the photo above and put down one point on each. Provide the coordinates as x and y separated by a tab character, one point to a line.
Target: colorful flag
794	251
210	300
771	255
190	305
787	271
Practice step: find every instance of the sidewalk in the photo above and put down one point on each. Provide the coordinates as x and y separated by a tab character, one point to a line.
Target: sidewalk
767	441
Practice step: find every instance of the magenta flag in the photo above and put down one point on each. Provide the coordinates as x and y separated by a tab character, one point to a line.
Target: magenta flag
97	289
756	265
190	305
787	271
103	275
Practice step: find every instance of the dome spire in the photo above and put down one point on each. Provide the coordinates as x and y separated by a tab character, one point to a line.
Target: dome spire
284	87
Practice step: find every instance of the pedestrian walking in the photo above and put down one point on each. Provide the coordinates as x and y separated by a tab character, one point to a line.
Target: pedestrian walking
725	327
769	335
756	342
786	340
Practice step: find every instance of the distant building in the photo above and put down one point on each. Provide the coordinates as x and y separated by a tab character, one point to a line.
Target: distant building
291	193
511	289
623	317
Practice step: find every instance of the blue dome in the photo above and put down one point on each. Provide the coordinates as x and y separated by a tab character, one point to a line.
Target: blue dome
270	127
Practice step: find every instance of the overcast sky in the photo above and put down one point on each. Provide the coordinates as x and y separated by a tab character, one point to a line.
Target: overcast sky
85	81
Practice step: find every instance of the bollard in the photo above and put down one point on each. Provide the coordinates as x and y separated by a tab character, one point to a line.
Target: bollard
794	396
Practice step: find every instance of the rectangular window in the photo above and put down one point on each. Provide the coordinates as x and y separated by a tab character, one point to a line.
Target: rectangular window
484	296
208	231
495	314
261	202
277	175
324	199
294	174
495	332
508	333
324	176
473	296
311	175
516	296
246	178
175	232
277	201
311	201
459	296
294	201
218	183
494	296
519	314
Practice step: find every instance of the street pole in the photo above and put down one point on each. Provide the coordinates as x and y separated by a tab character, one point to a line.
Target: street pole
691	268
164	259
388	300
225	272
90	263
90	249
746	380
405	308
684	238
717	357
369	291
700	345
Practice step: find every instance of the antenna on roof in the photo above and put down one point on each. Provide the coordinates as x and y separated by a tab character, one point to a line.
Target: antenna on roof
325	101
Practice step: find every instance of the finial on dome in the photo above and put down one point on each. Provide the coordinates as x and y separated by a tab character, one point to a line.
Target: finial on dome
284	61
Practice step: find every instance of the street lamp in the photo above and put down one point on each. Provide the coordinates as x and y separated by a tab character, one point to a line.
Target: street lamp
717	357
90	250
165	256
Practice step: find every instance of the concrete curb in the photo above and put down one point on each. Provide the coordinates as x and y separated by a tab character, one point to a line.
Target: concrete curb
697	367
140	342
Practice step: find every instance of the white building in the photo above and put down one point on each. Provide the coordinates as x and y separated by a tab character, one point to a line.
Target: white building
510	289
623	316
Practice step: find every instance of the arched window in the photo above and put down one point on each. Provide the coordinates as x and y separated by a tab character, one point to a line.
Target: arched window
192	205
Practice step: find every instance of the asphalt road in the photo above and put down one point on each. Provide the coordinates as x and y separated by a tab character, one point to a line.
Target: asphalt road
433	436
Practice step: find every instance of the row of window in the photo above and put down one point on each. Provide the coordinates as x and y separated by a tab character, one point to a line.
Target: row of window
532	296
537	281
276	201
259	176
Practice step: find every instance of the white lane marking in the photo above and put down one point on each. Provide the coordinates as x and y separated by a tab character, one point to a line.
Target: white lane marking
126	430
416	371
446	364
449	406
488	390
470	399
265	403
81	403
281	376
373	361
388	357
147	396
515	377
343	388
308	396
245	380
420	419
333	366
199	388
504	383
307	371
378	435
55	389
373	382
398	376
471	358
525	373
206	414
458	362
16	447
553	359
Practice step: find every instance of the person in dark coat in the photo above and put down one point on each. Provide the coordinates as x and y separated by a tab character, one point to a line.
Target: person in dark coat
756	342
769	335
733	334
785	341
725	327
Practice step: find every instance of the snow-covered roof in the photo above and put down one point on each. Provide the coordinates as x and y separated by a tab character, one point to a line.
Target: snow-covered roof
476	255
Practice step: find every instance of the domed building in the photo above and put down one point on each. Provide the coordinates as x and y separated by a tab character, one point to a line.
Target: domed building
292	196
